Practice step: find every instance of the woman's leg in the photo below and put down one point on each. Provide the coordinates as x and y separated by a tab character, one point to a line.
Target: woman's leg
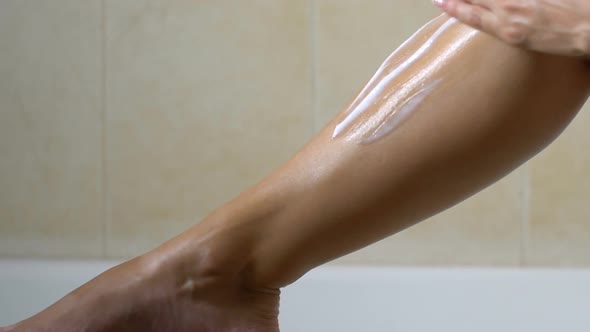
444	118
449	113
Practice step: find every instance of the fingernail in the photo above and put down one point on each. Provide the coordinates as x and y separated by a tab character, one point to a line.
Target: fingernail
440	3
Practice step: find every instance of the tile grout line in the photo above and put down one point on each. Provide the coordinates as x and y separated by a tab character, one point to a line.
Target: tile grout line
314	65
105	181
525	215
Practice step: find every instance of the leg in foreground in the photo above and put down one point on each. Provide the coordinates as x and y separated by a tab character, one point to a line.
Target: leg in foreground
449	113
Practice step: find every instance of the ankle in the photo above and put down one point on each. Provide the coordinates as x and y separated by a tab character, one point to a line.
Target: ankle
208	255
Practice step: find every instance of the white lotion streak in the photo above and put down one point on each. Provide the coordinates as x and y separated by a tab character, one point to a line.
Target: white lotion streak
418	87
372	96
399	116
375	79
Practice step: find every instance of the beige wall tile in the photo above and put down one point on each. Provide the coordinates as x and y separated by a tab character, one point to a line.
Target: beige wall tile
353	39
204	98
50	128
560	199
483	230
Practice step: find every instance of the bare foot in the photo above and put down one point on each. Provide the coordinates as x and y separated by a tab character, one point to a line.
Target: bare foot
178	287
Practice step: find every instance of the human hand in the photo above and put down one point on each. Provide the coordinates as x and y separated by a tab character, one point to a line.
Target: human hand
549	26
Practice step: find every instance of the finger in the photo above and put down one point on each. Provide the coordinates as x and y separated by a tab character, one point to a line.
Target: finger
473	15
487	4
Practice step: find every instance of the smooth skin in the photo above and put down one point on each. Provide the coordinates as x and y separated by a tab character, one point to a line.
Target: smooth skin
549	26
497	107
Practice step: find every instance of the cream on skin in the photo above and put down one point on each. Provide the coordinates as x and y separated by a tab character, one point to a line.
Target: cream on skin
377	86
386	102
391	118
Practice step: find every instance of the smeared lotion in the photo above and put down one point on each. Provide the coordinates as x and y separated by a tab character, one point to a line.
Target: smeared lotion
382	106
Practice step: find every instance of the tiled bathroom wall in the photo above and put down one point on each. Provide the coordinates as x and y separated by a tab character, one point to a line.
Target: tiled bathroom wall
124	122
